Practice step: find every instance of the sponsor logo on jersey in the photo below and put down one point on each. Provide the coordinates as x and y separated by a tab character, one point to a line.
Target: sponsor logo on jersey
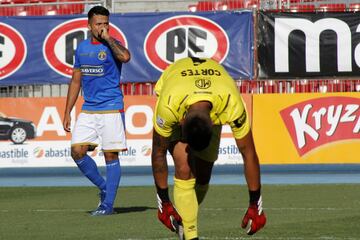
13	50
60	44
160	122
320	121
87	70
185	36
238	123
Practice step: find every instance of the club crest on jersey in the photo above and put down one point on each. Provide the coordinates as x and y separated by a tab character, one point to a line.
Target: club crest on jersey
203	83
102	55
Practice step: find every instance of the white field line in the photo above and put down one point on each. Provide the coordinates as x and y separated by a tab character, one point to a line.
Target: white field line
255	238
282	209
44	210
59	210
202	209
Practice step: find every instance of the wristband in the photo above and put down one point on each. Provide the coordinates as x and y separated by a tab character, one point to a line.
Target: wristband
254	196
163	194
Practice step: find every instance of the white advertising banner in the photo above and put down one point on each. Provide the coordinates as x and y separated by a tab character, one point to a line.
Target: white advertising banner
57	154
50	145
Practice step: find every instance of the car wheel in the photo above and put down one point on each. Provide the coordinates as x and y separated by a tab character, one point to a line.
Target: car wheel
18	135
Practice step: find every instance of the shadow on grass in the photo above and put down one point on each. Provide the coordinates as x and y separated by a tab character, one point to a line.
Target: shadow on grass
120	210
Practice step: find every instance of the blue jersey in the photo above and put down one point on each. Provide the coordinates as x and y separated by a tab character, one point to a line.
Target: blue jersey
100	77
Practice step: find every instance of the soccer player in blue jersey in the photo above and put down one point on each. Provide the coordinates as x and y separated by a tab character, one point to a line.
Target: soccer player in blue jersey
97	70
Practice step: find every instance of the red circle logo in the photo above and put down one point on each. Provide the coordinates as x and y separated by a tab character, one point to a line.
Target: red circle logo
14	50
55	45
184	36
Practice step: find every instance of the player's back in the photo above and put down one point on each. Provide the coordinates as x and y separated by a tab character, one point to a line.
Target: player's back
190	76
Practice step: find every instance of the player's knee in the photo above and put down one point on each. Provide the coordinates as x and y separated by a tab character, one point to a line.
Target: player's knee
111	156
77	152
183	172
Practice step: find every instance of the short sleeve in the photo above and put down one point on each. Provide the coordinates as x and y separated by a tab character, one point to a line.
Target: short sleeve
158	85
164	119
239	118
240	126
77	62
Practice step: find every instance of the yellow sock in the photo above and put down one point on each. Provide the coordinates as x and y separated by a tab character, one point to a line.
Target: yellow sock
201	191
186	205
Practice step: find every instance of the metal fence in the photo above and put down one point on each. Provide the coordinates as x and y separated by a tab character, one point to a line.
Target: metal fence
61	7
182	5
246	86
47	8
53	90
222	5
310	5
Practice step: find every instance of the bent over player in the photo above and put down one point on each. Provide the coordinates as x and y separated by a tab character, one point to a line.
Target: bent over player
97	70
195	98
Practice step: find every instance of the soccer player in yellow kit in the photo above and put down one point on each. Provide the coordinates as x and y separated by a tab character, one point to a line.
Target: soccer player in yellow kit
195	98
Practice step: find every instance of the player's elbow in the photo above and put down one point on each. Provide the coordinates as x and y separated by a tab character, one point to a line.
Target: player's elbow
126	57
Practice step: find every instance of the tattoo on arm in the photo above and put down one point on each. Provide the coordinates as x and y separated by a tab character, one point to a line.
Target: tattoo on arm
120	52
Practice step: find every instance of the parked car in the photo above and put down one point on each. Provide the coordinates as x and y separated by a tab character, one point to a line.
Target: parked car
15	129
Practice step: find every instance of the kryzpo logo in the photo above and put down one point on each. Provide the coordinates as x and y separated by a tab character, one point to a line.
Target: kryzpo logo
12	50
185	36
60	44
320	121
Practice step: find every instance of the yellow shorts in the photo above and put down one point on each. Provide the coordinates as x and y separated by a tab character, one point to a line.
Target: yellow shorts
210	153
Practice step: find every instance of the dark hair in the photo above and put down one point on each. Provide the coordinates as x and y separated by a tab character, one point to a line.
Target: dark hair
197	131
98	10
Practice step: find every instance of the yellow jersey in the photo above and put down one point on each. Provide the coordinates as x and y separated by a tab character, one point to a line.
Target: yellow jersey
190	80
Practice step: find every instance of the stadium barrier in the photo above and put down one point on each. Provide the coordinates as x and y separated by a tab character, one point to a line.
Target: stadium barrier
181	5
288	129
310	5
244	86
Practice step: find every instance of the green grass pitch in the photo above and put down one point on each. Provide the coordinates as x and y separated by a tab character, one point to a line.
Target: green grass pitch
294	212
